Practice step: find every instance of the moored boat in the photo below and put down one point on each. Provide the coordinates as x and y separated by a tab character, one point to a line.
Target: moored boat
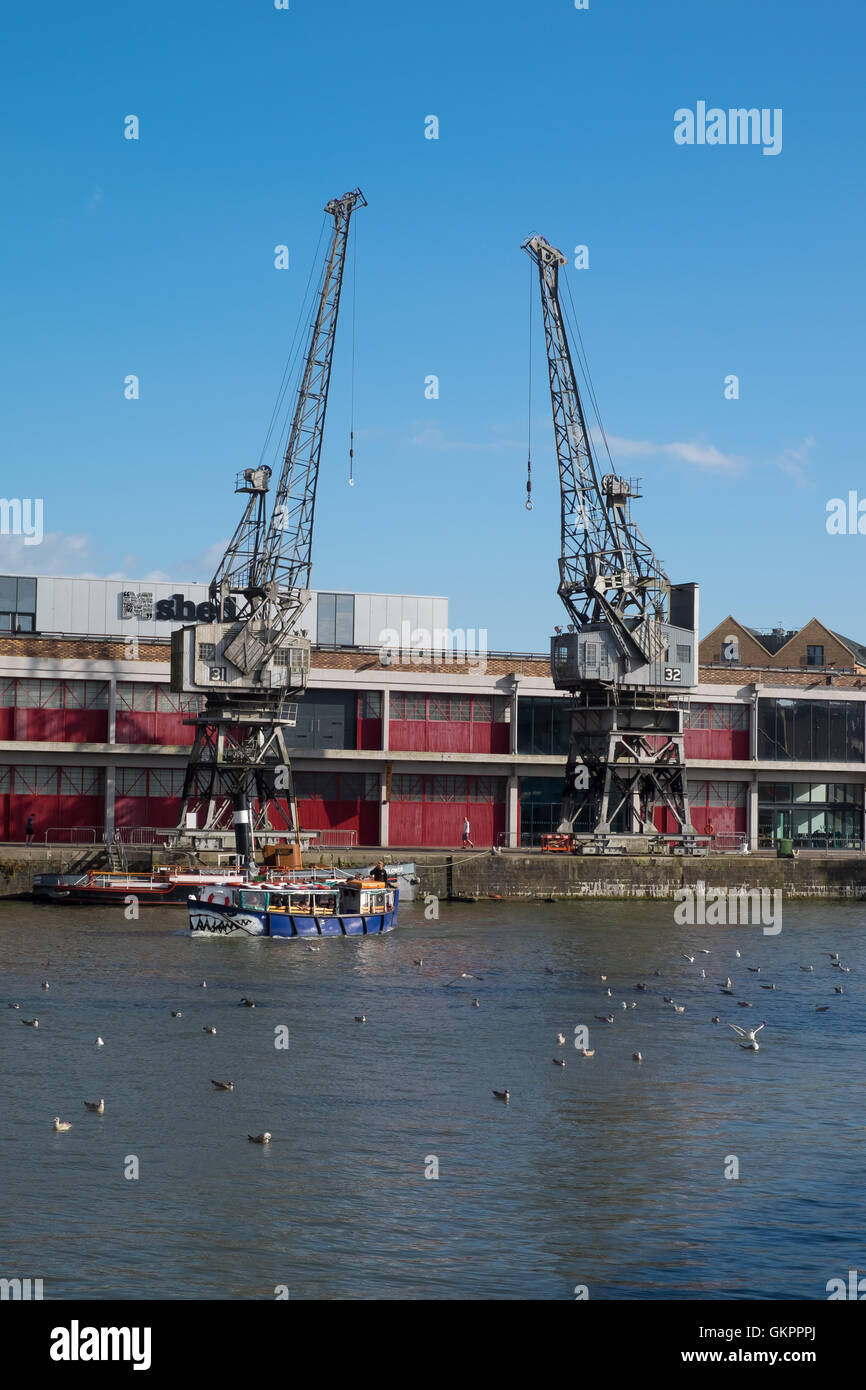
312	908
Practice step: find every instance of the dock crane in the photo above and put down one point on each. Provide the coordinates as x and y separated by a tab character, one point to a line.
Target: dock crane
631	638
249	658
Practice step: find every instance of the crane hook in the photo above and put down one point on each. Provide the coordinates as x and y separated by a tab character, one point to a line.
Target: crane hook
529	485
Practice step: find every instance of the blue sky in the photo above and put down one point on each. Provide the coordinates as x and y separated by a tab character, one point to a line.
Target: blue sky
155	257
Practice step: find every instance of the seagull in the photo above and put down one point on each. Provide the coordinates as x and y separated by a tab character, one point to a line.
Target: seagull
176	1013
31	1022
821	1008
60	1126
13	1006
250	1003
204	984
727	984
668	999
838	989
807	968
834	955
741	1004
846	969
604	979
686	956
605	1018
465	976
636	1057
749	1033
100	1043
703	974
641	986
559	1061
727	991
560	1038
704	952
679	1008
657	973
608	992
360	1018
45	984
715	1019
755	969
588	1052
208	1030
737	954
260	1138
223	1085
96	1106
632	1005
768	986
476	1004
415	962
624	1005
503	1095
750	1047
314	949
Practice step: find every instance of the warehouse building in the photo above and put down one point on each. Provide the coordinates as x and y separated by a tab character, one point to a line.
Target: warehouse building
395	747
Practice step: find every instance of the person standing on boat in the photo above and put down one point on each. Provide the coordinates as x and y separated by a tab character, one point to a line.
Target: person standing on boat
467	843
28	829
380	873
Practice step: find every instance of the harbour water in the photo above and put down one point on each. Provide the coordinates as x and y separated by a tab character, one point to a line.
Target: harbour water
607	1173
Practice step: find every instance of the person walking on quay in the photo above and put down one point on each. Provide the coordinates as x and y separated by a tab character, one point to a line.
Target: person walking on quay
28	829
711	830
467	843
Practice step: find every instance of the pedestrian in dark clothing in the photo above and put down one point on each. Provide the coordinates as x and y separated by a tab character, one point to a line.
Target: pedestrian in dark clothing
28	829
379	873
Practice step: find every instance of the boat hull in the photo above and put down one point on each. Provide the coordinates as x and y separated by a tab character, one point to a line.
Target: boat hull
217	920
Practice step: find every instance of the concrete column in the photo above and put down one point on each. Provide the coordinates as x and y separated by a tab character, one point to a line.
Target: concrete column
512	745
112	708
110	784
752	821
384	809
386	721
512	813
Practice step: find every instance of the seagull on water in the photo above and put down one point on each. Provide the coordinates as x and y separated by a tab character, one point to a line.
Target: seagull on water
686	956
60	1126
726	990
176	1013
750	1046
741	1004
260	1138
208	1030
503	1095
97	1107
679	1008
476	1004
559	1061
250	1003
204	984
636	1057
608	992
360	1018
223	1085
715	1019
641	987
749	1033
31	1022
821	1008
667	999
560	1038
838	989
605	1018
727	984
13	1006
737	954
624	1005
45	984
588	1052
768	986
755	969
100	1043
807	968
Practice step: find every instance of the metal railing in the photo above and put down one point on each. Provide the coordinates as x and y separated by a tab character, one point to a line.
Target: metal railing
73	835
331	839
728	842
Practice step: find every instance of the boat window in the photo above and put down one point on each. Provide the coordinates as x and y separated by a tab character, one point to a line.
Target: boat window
254	899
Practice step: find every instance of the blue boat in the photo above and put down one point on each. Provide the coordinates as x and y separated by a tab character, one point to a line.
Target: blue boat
347	907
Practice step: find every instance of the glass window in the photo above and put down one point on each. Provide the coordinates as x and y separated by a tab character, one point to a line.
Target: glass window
326	620
344	620
25	622
683	653
814	656
370	704
501	709
7	694
5	779
406	787
721	717
8	593
440	708
5	622
351	785
459	710
207	651
739	717
482	709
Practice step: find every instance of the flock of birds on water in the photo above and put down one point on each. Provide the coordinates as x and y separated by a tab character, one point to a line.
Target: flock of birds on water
747	1037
